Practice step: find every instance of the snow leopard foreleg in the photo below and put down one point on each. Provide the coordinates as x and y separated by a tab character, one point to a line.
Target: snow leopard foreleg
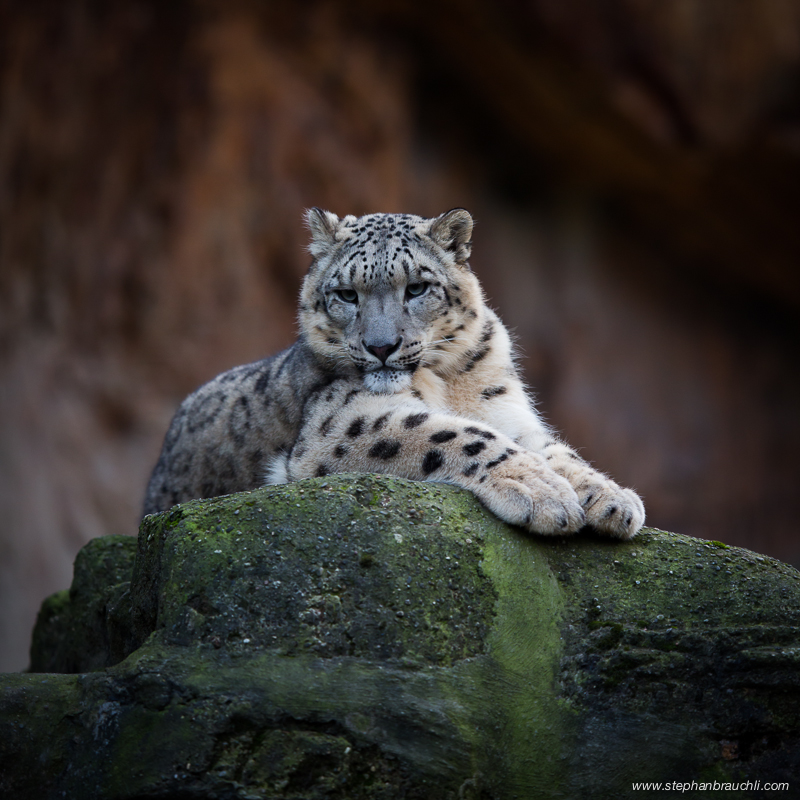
368	433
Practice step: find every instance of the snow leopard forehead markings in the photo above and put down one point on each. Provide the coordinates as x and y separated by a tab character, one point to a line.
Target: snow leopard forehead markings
382	249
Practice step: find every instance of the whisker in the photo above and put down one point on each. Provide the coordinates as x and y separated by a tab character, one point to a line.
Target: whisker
448	339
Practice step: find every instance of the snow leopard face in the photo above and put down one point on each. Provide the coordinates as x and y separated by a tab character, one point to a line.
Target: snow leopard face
390	293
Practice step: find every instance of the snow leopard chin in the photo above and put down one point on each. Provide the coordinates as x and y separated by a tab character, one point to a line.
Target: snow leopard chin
387	381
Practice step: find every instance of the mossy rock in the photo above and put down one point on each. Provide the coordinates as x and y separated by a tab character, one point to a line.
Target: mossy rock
368	637
88	627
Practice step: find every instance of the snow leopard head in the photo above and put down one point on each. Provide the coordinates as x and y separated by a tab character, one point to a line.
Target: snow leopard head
387	294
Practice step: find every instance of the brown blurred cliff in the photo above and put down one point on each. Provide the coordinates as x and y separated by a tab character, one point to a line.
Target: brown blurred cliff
634	168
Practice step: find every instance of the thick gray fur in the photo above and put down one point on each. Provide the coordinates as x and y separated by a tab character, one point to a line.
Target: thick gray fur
224	434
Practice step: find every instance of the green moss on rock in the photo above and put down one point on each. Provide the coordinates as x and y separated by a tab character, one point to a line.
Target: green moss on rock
253	571
369	637
89	626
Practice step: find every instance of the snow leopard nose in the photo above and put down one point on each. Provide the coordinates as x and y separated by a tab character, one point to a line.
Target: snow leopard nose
382	351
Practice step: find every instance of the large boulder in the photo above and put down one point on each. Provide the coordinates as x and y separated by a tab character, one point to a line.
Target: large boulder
368	637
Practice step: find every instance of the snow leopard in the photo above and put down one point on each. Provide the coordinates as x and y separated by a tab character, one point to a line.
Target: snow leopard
400	367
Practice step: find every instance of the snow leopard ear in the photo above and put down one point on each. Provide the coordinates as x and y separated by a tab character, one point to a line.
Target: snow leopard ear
452	231
323	226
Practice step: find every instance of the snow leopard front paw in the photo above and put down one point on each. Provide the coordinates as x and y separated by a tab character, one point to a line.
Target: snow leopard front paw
610	509
524	491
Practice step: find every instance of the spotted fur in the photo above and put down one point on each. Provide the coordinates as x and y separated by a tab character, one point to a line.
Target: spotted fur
400	368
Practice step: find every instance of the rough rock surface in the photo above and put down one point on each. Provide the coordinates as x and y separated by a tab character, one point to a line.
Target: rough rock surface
367	637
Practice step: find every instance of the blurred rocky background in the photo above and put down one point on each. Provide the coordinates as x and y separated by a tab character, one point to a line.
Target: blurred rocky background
633	167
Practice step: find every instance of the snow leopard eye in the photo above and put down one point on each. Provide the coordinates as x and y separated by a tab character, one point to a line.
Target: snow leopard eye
348	295
416	289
